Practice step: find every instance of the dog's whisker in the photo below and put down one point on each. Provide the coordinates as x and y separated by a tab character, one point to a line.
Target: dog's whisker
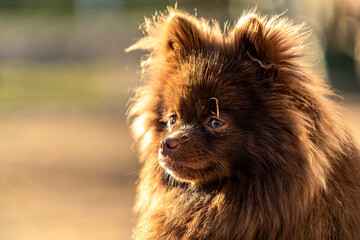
217	106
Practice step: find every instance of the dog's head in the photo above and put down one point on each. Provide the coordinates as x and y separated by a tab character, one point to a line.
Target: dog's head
222	104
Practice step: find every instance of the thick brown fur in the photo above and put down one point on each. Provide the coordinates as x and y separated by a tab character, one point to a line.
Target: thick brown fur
280	165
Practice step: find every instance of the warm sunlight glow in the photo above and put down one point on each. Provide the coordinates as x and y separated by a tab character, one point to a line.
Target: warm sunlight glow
139	127
146	140
243	20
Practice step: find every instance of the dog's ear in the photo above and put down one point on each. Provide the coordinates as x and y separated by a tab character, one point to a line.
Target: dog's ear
249	37
183	37
177	35
271	41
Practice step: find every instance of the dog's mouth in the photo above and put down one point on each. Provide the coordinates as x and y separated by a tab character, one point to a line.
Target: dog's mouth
176	173
184	173
177	176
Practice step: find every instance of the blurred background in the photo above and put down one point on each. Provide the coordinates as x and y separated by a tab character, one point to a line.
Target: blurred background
67	169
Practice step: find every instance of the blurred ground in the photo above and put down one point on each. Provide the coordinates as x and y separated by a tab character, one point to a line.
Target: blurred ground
66	166
65	177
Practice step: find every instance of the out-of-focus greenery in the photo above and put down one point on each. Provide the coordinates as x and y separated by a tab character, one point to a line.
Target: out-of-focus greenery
66	60
34	31
56	83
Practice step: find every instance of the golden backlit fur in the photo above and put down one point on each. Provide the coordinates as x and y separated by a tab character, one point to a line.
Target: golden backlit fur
277	162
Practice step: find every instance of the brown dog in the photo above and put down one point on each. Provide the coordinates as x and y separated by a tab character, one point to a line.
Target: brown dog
238	139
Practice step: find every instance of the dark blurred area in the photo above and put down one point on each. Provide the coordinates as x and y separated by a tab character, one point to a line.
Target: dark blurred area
67	168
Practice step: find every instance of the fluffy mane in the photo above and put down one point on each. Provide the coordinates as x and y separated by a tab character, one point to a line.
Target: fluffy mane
305	182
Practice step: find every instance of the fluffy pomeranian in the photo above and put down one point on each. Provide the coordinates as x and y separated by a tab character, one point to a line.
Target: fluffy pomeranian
238	139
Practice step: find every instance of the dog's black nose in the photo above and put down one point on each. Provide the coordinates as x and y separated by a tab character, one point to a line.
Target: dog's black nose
169	144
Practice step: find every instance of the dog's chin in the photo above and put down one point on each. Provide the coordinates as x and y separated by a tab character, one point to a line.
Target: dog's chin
175	170
181	172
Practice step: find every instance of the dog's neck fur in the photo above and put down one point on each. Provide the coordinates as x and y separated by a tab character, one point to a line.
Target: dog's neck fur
190	213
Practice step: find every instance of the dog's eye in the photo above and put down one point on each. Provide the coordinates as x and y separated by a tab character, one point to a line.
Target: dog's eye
215	123
173	119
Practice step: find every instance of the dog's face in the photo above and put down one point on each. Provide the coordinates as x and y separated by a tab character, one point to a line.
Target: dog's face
205	111
216	106
197	125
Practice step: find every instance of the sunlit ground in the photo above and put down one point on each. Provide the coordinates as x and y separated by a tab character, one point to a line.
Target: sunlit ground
65	178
